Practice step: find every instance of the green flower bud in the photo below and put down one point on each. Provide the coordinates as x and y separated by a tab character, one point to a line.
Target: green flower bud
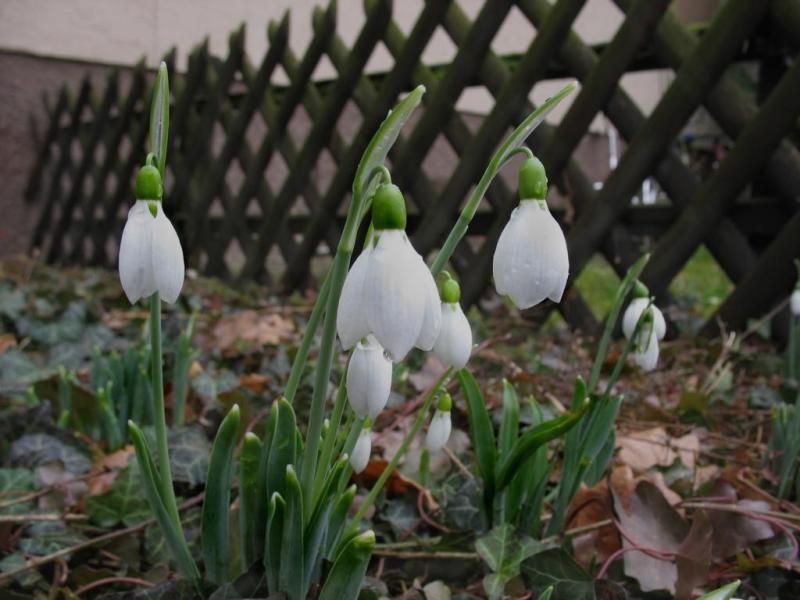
388	208
450	291
148	183
640	290
532	180
445	402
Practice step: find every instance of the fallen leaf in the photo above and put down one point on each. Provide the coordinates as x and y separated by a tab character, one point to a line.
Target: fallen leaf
251	329
107	468
734	532
255	382
396	483
590	506
7	340
694	557
642	450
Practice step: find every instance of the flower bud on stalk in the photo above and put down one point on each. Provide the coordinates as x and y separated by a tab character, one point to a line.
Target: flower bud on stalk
389	291
652	329
794	301
454	344
531	261
369	378
363	448
439	429
150	254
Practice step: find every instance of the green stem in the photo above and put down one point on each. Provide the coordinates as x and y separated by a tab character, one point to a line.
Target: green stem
330	437
422	416
159	418
308	337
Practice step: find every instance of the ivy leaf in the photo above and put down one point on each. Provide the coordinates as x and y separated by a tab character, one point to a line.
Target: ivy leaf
36	449
47	537
189	451
503	550
17	481
556	568
124	503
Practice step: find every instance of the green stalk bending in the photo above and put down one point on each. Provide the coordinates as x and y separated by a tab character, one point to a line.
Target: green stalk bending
159	418
326	454
422	415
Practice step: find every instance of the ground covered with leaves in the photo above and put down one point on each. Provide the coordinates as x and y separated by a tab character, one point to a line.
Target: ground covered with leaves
687	503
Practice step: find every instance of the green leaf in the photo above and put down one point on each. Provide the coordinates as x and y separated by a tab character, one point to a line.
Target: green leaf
482	434
48	537
216	555
250	496
338	518
530	441
282	448
724	593
189	454
159	117
35	449
290	577
125	502
347	573
274	540
558	569
172	531
15	482
509	426
503	550
383	140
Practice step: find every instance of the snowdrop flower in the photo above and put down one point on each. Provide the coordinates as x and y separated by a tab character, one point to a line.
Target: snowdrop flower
389	291
363	448
531	261
439	429
454	344
794	301
652	329
150	254
369	378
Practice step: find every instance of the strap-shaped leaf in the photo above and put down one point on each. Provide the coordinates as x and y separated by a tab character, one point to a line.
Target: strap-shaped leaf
283	447
383	140
724	593
532	440
273	541
482	434
159	117
347	573
172	533
509	426
249	500
291	570
214	522
337	520
261	508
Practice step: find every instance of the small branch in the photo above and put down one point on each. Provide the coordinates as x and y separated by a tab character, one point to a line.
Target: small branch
112	580
42	517
431	555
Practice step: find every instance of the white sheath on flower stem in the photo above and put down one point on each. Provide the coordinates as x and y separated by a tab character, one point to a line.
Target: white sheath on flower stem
150	254
390	293
361	451
794	301
454	344
369	378
645	352
531	261
438	431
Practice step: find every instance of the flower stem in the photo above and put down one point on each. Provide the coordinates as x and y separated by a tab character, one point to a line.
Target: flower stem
422	415
330	437
159	418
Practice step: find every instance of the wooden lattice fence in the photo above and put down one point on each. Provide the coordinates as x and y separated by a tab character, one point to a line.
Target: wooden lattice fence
259	173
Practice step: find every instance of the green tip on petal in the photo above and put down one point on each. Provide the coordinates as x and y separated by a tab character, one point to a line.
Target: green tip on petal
148	183
450	291
445	402
640	290
388	208
532	180
367	423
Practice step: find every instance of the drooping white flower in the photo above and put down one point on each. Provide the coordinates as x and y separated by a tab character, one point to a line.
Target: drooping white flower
454	344
440	426
369	378
389	291
361	451
651	331
531	261
794	301
150	254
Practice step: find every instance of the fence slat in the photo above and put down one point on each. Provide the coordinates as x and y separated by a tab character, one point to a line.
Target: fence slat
45	150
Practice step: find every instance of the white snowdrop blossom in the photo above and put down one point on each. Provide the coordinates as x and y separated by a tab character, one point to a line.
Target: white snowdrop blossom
794	302
150	254
369	378
389	291
361	451
440	426
652	330
531	261
454	344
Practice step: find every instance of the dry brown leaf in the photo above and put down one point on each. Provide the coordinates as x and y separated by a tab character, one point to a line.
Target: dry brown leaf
734	532
7	340
590	506
642	450
694	557
255	382
252	329
107	468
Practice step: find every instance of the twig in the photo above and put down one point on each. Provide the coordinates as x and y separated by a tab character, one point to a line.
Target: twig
42	517
111	580
35	563
461	467
791	520
432	555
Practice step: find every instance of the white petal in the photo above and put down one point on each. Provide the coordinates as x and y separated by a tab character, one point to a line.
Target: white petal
795	302
167	257
369	379
634	310
135	253
394	304
438	431
647	359
531	261
351	323
454	343
432	322
361	451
